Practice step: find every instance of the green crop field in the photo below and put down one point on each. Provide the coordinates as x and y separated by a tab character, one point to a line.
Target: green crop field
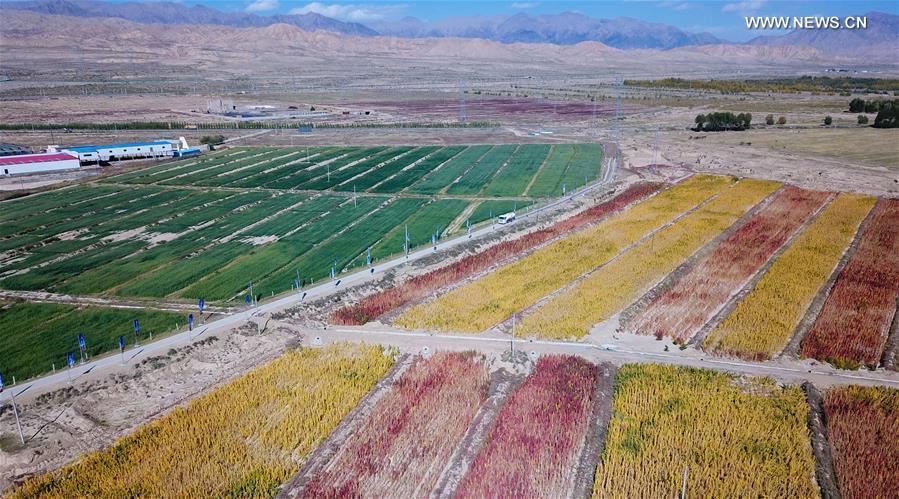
35	336
207	226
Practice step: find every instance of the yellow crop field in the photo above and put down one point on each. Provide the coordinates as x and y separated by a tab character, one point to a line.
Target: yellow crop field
736	436
496	296
242	439
762	322
616	285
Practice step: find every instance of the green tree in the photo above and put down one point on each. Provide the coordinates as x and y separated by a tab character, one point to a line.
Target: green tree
856	105
769	120
699	120
782	120
212	139
828	120
862	119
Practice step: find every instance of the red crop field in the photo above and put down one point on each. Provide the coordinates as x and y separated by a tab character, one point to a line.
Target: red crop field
494	108
852	327
697	295
401	449
378	304
534	447
863	429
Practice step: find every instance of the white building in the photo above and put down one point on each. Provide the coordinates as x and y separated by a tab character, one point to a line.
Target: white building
131	150
37	163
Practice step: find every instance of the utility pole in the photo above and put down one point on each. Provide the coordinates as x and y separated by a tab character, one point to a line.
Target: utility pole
15	408
461	101
512	344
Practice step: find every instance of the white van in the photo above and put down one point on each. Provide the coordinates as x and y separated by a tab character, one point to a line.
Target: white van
507	217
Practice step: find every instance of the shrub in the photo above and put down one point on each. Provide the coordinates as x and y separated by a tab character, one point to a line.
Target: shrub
212	139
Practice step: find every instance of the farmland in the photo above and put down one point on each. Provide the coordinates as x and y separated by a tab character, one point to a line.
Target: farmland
286	409
615	285
722	429
852	327
206	227
250	214
373	306
495	297
763	321
408	438
37	335
863	430
276	217
499	171
690	302
729	432
519	461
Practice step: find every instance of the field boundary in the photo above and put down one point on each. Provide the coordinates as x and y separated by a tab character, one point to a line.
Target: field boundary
811	314
597	431
635	309
505	326
748	286
824	474
332	444
502	384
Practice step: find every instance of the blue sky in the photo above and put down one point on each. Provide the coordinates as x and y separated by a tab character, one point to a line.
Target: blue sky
722	18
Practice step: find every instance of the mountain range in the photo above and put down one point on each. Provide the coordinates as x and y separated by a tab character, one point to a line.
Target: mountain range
179	13
878	41
567	28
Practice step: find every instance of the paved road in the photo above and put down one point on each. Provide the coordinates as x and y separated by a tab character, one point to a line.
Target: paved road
822	375
227	322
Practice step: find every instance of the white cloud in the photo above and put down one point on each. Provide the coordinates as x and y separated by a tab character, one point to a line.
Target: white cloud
350	12
745	7
681	6
261	5
524	5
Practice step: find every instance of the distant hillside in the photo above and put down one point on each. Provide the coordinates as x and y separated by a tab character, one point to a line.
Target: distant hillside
568	28
179	13
880	40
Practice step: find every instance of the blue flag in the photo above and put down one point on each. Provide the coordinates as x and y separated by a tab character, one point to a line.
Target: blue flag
1	383
136	326
332	273
247	299
81	342
368	257
190	321
563	188
201	304
71	359
121	343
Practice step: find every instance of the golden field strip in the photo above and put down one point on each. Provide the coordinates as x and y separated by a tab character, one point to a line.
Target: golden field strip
736	435
762	323
240	440
614	286
495	297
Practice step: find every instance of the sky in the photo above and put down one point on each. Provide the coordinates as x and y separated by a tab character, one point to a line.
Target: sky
721	18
